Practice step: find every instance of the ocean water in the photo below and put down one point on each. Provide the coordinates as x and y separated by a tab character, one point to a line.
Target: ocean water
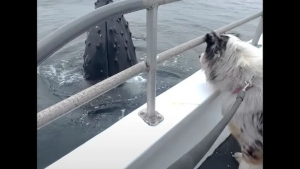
62	76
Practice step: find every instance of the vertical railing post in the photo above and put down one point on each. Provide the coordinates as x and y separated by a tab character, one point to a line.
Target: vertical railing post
258	32
149	115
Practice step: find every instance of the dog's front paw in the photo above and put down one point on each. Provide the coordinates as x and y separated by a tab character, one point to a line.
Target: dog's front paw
238	157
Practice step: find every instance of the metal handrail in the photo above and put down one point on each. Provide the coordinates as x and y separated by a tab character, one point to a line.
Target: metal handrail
60	37
150	115
258	32
61	108
63	35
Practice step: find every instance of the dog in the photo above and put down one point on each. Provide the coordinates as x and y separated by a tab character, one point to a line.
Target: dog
228	63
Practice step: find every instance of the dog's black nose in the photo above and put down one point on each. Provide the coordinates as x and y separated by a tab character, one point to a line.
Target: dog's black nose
209	38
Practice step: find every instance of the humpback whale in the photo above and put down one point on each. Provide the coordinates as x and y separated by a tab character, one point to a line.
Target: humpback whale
108	47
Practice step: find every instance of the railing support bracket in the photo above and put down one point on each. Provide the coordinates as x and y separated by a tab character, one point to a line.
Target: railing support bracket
150	115
151	121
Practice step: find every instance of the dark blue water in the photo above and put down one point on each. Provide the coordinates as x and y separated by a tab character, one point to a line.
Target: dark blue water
62	76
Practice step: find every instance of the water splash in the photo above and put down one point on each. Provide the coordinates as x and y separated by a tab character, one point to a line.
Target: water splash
137	79
63	72
141	38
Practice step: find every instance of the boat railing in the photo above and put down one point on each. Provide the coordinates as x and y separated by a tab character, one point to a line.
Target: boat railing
57	39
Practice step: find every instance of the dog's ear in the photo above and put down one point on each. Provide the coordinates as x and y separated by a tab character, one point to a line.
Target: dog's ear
209	38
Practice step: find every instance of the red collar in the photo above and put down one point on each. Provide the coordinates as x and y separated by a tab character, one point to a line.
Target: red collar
235	91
